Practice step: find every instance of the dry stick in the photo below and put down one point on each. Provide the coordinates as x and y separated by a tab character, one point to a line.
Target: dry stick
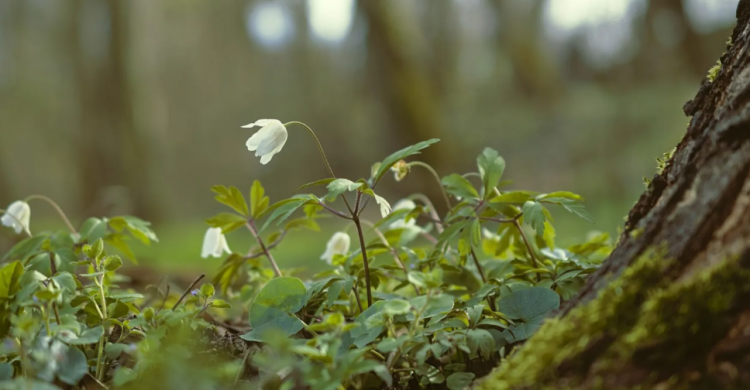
190	288
251	225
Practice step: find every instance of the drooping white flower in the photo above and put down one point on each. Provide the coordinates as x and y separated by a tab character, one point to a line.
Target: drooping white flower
17	216
214	243
337	245
269	140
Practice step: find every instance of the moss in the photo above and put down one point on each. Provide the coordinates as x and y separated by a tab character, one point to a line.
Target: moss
635	233
714	71
559	341
661	162
691	309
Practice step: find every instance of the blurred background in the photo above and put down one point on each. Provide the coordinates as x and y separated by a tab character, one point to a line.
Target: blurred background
135	107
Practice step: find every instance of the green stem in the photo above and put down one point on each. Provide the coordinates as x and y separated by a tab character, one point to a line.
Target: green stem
254	230
433	213
322	154
398	261
362	245
241	370
25	228
528	247
100	356
437	178
58	209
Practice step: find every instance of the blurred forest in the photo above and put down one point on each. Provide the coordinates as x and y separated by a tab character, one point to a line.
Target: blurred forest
135	106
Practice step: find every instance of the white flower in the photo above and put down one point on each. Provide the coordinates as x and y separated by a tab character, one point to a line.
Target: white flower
17	216
488	235
404	204
337	245
268	140
214	243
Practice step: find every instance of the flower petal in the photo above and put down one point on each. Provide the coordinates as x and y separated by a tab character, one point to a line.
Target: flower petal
211	242
274	140
260	122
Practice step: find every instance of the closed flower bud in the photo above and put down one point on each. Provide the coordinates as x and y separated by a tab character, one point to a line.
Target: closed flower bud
400	170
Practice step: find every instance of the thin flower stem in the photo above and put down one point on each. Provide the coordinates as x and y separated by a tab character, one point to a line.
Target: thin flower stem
58	209
479	266
25	228
433	213
362	245
393	251
101	357
317	142
251	226
322	154
528	246
241	370
356	295
437	178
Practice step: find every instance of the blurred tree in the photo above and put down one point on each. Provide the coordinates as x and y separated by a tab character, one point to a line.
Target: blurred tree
519	37
670	308
111	154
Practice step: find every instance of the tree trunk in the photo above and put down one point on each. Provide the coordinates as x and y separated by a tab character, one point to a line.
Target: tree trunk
670	308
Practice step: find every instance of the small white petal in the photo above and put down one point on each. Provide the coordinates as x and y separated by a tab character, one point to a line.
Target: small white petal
214	243
404	204
17	216
266	158
259	122
338	244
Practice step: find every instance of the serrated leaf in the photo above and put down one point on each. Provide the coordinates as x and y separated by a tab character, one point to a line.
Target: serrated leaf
258	200
139	228
321	182
231	197
10	278
220	304
533	214
459	186
459	380
340	186
228	222
491	168
93	229
25	248
286	209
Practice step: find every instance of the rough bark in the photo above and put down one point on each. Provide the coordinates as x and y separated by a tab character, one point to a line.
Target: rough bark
670	308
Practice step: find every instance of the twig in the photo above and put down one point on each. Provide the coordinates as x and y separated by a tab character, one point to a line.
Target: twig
251	225
190	288
269	247
356	295
334	211
364	259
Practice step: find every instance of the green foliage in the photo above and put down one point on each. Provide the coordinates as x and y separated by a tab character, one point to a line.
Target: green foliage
423	299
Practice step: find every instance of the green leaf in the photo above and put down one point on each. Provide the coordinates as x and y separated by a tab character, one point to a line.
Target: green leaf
139	228
529	307
385	207
481	343
533	214
10	277
491	168
395	307
93	229
339	186
459	186
321	182
439	304
119	242
284	294
112	263
272	320
400	155
25	248
258	200
285	209
207	290
572	206
362	334
302	223
6	371
334	290
73	366
231	197
515	197
459	380
561	194
65	280
549	235
89	336
228	222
